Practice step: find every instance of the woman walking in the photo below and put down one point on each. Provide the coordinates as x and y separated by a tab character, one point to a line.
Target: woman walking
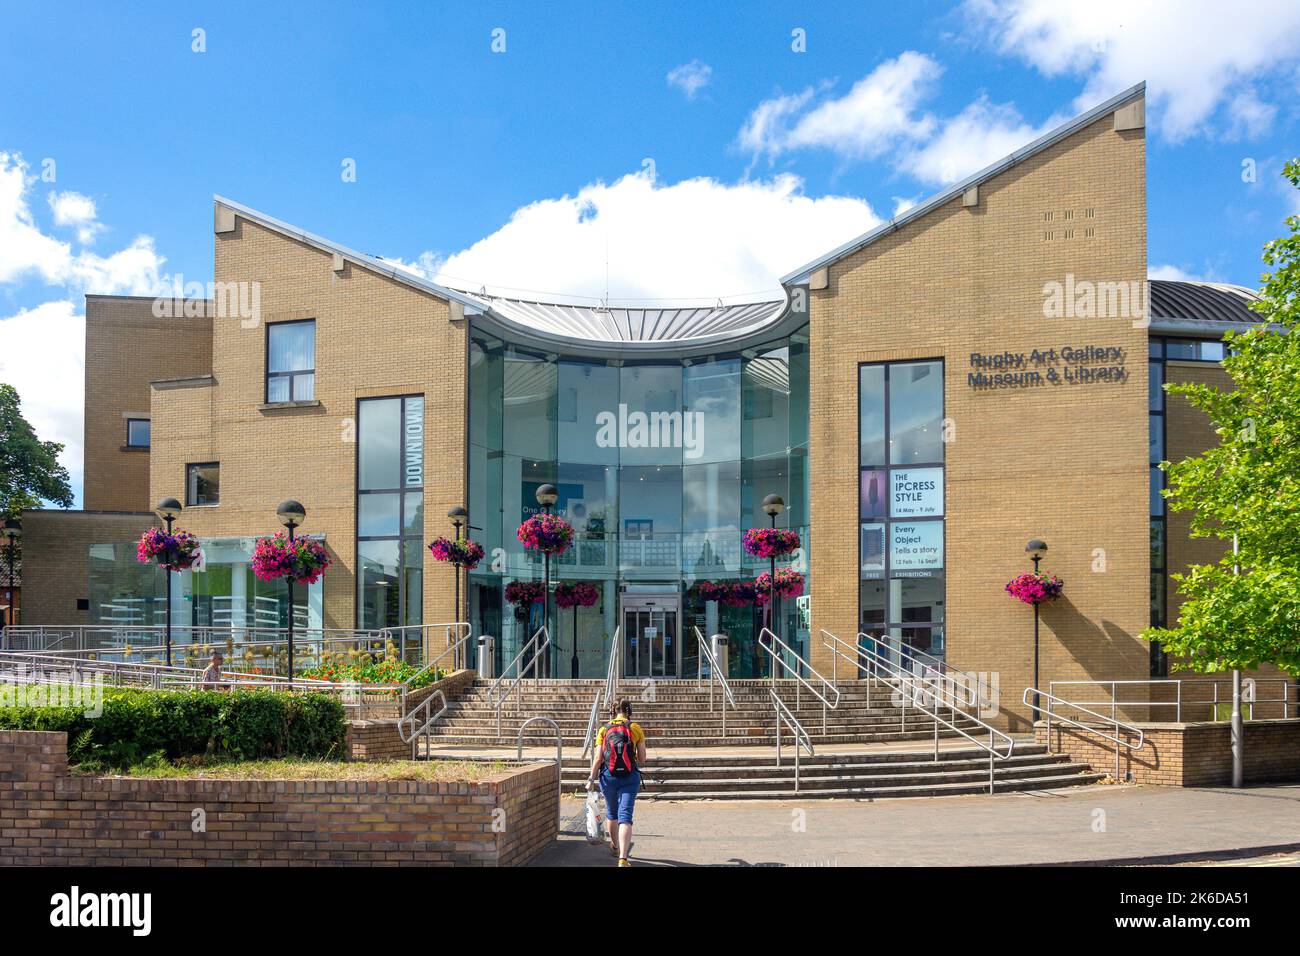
616	764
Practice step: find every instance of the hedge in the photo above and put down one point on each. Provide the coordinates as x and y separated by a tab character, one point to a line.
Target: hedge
143	724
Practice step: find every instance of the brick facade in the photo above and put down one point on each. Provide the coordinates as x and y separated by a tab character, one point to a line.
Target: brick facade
1187	755
375	336
127	346
48	817
1065	463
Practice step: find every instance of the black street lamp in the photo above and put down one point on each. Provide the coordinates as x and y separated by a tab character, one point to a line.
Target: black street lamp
168	509
1036	549
291	515
773	505
458	516
13	530
547	496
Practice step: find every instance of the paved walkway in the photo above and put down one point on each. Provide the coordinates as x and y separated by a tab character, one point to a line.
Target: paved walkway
1077	825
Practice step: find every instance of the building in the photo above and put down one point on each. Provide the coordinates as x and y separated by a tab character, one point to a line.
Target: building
980	371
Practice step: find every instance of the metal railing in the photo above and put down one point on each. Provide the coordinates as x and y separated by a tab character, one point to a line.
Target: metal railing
922	663
715	674
537	645
797	731
606	693
943	692
559	759
769	645
422	712
454	646
1049	715
1148	690
418	641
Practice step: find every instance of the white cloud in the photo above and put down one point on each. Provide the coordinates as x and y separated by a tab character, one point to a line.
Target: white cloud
874	117
980	134
26	251
1173	273
698	238
1251	118
77	211
42	354
1197	56
691	77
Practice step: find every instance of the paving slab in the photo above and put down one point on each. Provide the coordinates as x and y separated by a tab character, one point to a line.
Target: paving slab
1096	824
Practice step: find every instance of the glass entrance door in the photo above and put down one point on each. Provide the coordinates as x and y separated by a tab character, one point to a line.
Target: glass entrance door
650	644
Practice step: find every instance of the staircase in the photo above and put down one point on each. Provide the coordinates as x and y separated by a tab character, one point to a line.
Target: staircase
675	713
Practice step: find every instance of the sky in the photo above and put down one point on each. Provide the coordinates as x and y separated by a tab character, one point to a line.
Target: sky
620	151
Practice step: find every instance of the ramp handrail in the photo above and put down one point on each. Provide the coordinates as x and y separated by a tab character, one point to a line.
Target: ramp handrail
906	684
606	692
559	758
425	708
800	681
1118	725
539	642
984	694
453	644
797	731
715	673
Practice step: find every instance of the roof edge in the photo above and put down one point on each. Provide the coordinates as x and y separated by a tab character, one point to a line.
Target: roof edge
938	199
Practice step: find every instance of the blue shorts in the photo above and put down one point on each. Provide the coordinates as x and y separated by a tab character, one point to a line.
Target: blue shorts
620	795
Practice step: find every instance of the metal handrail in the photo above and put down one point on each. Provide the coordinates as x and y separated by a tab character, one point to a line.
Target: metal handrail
984	694
453	646
1179	702
797	731
559	758
425	728
800	680
715	673
113	637
906	684
606	693
495	694
1117	724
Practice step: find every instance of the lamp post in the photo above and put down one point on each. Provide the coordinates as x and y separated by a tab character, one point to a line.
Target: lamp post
291	515
13	529
458	516
167	510
773	505
547	496
1036	549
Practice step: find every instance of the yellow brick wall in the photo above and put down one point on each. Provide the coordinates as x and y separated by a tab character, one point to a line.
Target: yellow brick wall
127	347
1064	463
374	336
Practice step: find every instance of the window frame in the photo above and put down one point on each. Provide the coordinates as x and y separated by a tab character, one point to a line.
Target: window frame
132	421
291	375
202	464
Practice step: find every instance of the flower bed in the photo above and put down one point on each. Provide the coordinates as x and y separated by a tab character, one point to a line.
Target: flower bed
368	671
1035	588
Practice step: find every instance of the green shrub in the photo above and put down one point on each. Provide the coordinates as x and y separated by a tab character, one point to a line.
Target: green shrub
139	725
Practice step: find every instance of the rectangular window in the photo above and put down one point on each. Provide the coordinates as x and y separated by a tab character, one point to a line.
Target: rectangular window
203	484
390	511
291	361
137	432
901	503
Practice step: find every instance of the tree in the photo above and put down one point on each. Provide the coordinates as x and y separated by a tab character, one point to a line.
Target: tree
1244	610
29	468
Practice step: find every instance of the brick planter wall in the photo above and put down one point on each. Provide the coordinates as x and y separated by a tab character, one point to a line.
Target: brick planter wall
1187	754
385	707
48	817
376	740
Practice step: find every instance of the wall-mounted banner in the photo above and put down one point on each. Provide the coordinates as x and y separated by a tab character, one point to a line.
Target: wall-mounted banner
874	493
915	546
872	549
916	493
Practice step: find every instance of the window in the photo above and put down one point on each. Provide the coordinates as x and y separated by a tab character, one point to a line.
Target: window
291	361
203	484
390	511
137	432
901	504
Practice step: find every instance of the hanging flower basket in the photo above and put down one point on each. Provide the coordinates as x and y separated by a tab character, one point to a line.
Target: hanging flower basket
525	592
710	590
1031	588
461	552
789	584
739	593
547	533
771	542
304	560
581	594
173	552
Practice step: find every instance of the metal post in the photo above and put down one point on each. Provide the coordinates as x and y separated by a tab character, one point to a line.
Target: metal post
167	616
546	613
573	660
289	580
1238	730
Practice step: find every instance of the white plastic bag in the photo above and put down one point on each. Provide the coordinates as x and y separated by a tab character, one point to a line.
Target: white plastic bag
595	816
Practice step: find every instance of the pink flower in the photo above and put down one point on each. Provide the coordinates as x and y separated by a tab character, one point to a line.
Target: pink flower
771	542
1035	588
547	533
304	560
461	552
789	583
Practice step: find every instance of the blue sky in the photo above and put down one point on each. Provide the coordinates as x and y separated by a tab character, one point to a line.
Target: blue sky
686	149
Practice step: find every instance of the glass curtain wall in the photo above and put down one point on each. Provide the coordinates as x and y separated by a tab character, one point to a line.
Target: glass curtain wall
660	466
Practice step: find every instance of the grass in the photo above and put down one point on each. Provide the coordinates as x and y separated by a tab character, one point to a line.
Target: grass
435	771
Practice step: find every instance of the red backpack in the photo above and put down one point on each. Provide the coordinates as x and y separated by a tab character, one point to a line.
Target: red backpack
619	753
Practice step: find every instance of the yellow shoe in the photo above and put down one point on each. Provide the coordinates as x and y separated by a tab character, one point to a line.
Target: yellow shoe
624	861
